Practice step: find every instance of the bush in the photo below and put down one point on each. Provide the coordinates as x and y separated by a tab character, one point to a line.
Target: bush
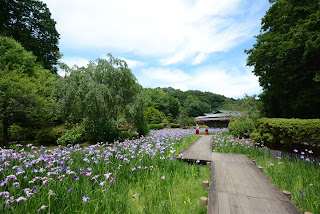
49	136
19	133
72	136
241	127
203	127
155	126
174	125
128	135
287	131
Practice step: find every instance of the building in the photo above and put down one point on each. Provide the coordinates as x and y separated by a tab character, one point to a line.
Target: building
219	119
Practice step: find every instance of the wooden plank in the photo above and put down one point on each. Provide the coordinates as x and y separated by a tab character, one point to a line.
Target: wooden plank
268	206
236	181
234	204
256	205
280	208
228	178
271	186
245	205
213	207
290	207
254	189
223	203
265	186
221	186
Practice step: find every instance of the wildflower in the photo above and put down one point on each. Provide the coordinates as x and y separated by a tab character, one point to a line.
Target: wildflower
20	199
295	150
163	177
307	159
75	178
51	192
134	169
16	184
279	162
302	157
302	153
85	198
310	151
102	183
112	180
135	195
70	190
107	176
278	158
198	161
42	207
5	193
271	164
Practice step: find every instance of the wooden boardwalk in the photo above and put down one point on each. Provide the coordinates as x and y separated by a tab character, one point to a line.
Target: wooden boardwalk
236	184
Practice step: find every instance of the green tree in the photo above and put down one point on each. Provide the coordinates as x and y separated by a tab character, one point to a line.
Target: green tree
100	95
25	89
194	107
153	116
286	59
30	23
164	102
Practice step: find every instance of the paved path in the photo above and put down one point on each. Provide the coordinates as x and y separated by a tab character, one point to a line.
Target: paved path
236	184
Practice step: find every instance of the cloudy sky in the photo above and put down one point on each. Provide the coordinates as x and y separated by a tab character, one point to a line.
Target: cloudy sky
184	44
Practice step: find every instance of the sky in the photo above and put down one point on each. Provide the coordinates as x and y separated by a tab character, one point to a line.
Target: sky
184	44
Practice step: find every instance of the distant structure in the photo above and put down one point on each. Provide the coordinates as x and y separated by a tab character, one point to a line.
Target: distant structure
219	119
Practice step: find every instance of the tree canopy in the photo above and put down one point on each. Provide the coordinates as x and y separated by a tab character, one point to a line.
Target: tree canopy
25	89
102	95
286	59
29	22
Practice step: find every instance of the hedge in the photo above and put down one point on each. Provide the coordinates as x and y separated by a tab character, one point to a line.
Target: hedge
155	126
287	131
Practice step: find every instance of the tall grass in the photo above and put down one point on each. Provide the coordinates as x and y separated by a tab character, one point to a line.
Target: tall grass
134	176
299	176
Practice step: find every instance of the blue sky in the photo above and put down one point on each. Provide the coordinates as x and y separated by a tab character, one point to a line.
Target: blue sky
184	44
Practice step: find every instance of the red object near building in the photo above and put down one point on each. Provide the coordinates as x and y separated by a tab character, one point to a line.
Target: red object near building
207	131
197	131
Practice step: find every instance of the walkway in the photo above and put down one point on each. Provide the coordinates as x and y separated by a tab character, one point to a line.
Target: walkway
236	184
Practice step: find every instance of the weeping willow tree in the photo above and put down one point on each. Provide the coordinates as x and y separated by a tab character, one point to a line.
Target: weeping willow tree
100	96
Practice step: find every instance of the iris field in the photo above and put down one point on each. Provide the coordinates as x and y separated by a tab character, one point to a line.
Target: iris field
134	176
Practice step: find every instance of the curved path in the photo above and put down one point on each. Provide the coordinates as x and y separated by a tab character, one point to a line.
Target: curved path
236	184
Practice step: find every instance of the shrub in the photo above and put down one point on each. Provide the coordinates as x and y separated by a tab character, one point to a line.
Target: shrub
19	133
288	131
50	135
241	127
128	135
203	127
174	125
72	136
156	126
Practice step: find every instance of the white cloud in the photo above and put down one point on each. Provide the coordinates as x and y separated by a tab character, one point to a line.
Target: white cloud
214	79
78	61
133	63
171	30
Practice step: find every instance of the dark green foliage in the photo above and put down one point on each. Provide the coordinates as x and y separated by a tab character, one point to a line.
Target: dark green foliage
19	133
30	23
72	136
174	125
286	59
49	136
25	89
100	96
156	126
288	131
241	127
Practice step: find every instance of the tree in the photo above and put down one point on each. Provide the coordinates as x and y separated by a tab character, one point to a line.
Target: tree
286	59
100	95
194	107
25	89
30	23
164	102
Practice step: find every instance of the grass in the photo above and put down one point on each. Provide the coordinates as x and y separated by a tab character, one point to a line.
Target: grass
301	177
134	176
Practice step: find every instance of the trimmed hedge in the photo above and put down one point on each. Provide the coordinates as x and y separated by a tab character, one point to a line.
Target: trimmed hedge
155	126
241	127
287	131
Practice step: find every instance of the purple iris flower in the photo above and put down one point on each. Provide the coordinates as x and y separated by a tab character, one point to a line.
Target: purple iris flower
85	198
